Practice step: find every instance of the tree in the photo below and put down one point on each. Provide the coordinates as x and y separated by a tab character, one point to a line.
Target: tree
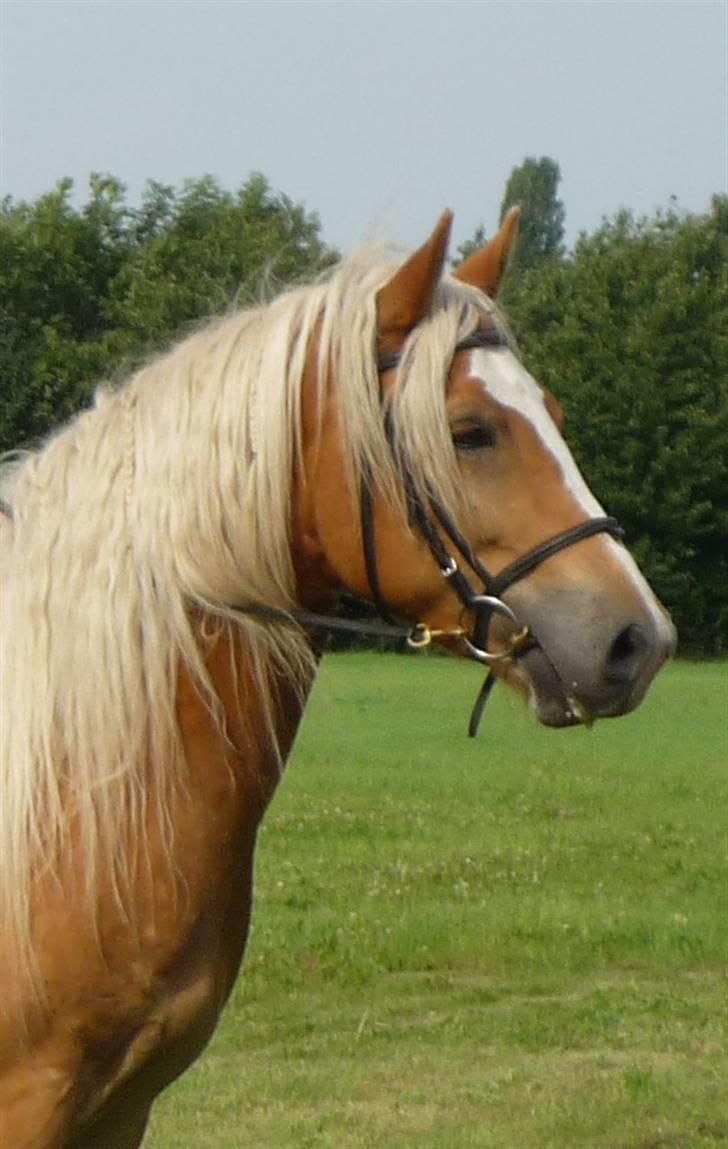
84	293
213	248
533	186
56	267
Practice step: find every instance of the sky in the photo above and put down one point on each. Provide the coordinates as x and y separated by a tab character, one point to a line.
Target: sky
378	114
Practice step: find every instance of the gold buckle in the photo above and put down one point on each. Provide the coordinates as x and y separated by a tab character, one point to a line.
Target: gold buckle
422	635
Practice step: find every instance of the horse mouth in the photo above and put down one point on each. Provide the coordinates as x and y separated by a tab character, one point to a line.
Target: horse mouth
552	703
558	703
595	666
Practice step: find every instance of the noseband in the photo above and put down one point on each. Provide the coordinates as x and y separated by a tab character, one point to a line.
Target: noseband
432	521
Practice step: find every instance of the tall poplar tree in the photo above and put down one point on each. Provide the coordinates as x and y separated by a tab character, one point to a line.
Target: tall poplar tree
533	186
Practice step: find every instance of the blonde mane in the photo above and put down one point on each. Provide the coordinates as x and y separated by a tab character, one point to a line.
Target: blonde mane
174	492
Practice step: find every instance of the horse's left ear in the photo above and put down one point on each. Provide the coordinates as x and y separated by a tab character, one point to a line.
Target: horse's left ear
485	268
404	301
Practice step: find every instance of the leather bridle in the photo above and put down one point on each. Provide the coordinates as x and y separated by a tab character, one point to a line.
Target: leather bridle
487	602
432	521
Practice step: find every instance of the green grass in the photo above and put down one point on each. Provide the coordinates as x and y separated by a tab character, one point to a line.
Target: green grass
517	942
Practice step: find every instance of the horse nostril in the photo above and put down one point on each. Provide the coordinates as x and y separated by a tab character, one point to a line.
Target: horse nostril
625	654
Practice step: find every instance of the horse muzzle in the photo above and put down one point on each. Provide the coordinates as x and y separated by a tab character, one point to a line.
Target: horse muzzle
585	663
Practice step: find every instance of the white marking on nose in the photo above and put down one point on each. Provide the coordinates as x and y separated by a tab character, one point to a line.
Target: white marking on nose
506	380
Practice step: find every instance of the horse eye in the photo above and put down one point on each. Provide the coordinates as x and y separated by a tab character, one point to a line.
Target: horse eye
474	438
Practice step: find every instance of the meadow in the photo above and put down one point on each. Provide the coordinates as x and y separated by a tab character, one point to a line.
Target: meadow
513	942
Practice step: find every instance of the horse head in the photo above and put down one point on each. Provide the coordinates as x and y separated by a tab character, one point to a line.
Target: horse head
484	483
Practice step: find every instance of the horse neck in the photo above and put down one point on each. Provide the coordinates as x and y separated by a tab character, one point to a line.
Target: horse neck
244	739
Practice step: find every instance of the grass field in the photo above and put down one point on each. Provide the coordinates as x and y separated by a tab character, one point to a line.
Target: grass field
518	942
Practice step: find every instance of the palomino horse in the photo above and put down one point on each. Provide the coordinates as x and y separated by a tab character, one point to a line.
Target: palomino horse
374	432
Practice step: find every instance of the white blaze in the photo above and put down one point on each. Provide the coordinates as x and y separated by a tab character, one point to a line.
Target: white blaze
507	381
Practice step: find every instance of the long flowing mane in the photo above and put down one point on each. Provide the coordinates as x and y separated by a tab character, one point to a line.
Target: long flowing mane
171	494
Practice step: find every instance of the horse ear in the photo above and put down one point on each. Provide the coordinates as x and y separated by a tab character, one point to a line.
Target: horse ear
485	268
405	300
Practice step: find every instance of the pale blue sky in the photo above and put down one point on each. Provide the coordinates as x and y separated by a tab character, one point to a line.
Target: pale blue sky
375	114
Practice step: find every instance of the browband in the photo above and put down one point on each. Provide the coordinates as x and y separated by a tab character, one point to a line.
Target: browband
484	337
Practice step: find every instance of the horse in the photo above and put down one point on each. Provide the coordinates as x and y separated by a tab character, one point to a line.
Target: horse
166	560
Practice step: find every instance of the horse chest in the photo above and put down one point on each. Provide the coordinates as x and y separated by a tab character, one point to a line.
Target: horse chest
196	909
173	1031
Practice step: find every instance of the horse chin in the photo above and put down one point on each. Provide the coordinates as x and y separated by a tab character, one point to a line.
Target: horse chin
535	677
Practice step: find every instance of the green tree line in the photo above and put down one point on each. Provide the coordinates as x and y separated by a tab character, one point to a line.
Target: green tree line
630	330
87	292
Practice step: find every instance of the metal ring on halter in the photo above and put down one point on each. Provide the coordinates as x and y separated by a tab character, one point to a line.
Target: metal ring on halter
495	606
488	658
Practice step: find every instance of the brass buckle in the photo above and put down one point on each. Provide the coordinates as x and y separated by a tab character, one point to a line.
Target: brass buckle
419	637
422	635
